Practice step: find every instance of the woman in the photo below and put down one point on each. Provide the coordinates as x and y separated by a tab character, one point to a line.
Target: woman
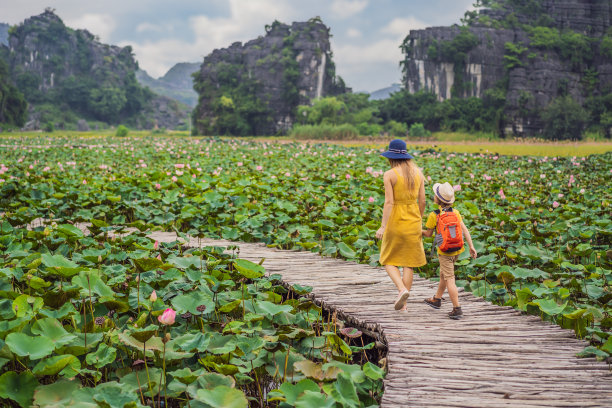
400	230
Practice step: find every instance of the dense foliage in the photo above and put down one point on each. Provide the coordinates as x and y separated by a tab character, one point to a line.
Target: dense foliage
13	107
541	225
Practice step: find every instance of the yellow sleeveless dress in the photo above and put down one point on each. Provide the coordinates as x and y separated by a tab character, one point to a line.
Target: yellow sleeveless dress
402	242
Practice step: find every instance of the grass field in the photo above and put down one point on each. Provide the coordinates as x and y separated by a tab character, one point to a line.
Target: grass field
445	141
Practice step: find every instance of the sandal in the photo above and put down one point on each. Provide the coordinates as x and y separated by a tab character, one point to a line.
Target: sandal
434	302
401	299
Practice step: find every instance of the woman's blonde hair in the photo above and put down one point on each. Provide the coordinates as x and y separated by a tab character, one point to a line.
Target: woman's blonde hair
409	171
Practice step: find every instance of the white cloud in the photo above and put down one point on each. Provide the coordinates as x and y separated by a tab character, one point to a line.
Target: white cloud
347	8
353	33
400	27
245	22
101	25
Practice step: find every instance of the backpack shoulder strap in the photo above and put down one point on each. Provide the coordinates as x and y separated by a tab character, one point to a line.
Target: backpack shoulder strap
437	212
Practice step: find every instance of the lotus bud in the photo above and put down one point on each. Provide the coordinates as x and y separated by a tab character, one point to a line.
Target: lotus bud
156	245
166	338
99	258
167	317
153	297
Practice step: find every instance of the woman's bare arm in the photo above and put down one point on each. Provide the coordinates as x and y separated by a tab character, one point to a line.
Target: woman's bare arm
422	196
468	238
388	204
428	233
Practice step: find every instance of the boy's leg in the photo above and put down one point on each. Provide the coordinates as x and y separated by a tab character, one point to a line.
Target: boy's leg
407	277
447	271
441	286
453	293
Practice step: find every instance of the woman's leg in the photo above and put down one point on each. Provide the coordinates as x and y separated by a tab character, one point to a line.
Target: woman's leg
394	274
407	277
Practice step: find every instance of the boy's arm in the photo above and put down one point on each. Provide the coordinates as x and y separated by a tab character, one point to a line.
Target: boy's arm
428	233
468	238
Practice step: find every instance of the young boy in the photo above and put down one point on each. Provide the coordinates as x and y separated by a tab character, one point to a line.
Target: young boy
444	196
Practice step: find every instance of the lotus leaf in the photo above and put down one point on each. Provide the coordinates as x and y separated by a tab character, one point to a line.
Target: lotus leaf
53	330
249	269
34	347
222	396
66	365
18	387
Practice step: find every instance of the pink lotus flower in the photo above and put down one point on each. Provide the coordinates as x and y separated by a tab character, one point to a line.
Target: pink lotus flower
348	176
560	195
167	317
153	298
239	164
471	175
179	166
555	204
84	181
542	176
287	174
457	187
179	173
157	186
501	194
259	168
582	191
156	245
174	178
371	199
501	224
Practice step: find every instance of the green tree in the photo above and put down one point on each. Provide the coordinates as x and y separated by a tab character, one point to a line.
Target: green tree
106	103
13	107
564	119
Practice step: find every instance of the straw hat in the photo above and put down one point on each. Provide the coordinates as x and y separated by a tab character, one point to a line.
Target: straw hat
445	192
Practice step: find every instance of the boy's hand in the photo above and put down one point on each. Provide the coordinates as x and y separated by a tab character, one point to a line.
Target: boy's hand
380	232
473	252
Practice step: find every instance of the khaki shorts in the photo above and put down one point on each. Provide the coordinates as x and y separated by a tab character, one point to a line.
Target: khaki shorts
447	266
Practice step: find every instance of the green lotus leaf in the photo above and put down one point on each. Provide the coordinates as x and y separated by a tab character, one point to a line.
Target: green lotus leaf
53	330
550	306
309	399
210	381
249	269
344	391
25	305
147	264
189	302
102	356
18	387
373	371
346	251
55	395
34	347
153	343
57	261
484	260
91	281
113	394
66	365
70	231
268	309
185	262
222	396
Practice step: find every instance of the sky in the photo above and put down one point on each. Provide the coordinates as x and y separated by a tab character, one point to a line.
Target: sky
366	34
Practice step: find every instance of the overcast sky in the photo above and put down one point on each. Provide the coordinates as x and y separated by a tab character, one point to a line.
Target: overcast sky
366	33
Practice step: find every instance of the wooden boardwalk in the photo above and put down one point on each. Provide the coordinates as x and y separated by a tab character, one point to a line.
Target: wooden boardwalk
493	357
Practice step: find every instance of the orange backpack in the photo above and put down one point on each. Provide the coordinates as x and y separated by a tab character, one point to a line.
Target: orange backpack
449	229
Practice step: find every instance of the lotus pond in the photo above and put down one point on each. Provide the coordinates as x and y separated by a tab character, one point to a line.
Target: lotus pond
541	225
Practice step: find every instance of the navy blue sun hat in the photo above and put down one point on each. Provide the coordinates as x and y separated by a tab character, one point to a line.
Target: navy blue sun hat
397	150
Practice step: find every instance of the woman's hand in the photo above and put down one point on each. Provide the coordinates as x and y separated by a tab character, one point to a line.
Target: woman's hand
473	252
380	232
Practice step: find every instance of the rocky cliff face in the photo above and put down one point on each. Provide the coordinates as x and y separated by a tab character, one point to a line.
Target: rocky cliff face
290	65
177	83
4	28
68	74
535	51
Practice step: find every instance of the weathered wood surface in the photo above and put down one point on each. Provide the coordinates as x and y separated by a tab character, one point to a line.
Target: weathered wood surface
493	357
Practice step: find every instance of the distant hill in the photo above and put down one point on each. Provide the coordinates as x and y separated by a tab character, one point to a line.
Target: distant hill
69	78
177	83
385	92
